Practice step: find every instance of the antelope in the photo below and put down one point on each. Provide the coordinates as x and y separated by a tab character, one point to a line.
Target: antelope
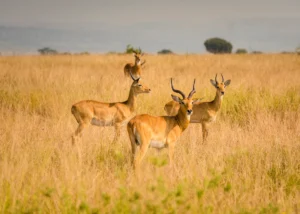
204	112
135	68
159	132
90	112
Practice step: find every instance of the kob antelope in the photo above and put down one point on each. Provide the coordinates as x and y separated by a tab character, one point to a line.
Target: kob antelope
204	112
136	67
159	132
90	112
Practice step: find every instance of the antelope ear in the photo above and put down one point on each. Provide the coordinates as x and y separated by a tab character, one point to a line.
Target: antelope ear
197	101
176	99
227	82
213	83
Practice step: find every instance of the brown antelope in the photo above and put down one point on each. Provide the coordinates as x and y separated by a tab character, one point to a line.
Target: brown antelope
204	112
135	68
90	112
160	132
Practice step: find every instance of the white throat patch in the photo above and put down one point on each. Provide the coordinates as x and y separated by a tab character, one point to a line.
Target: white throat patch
188	116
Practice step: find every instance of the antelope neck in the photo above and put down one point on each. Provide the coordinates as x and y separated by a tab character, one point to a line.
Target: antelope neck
182	120
131	101
217	102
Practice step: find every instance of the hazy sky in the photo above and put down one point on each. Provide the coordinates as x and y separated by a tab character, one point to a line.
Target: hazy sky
267	25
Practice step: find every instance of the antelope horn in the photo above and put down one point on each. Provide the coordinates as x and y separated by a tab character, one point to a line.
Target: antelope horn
222	78
193	90
134	51
216	78
177	91
133	77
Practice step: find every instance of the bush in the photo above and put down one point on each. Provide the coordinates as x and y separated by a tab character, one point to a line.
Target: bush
165	51
47	51
241	51
130	49
218	45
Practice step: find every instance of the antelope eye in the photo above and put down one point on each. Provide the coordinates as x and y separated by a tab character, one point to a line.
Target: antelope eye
139	85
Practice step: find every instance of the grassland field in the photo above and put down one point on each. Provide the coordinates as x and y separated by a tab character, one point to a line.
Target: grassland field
250	163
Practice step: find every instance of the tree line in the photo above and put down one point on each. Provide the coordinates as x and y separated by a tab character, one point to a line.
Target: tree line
213	45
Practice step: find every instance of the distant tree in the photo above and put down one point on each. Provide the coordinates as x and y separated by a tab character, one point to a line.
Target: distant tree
241	51
218	45
165	51
112	52
298	50
130	49
256	52
66	53
84	53
47	51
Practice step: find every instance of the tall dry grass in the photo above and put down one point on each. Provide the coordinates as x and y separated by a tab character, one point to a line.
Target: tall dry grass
250	164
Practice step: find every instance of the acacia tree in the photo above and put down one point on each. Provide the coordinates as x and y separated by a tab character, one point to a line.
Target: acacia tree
218	45
165	51
47	51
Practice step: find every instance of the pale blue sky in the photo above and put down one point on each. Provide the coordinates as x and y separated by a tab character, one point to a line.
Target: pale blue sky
101	26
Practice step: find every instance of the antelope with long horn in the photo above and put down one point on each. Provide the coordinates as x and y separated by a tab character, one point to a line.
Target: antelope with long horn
160	132
90	112
136	67
204	112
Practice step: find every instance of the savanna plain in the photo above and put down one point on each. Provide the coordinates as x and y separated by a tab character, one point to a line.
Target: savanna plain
249	164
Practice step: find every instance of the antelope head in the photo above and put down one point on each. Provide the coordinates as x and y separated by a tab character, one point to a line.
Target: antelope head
186	103
137	87
220	86
138	58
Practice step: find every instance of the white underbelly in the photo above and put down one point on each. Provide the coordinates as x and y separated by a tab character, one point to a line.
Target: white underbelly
157	144
97	122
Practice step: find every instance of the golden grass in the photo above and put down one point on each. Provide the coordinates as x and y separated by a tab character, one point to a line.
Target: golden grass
250	164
